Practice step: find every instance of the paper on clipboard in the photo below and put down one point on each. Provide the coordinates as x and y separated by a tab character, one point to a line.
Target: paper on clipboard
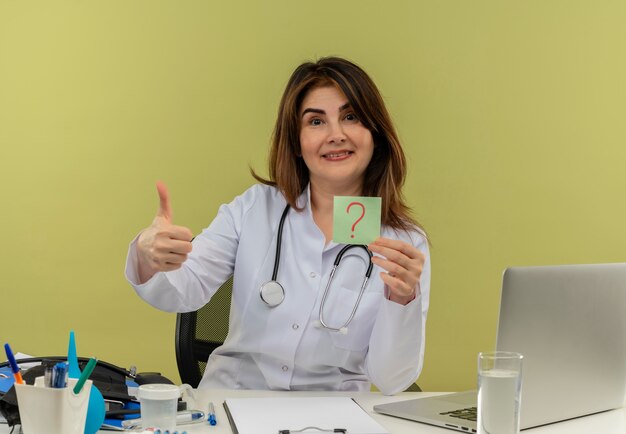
270	415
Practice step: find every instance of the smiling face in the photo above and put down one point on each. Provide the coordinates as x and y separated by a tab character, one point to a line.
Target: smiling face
334	144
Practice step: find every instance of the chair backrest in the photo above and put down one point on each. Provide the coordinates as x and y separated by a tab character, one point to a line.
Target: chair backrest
199	333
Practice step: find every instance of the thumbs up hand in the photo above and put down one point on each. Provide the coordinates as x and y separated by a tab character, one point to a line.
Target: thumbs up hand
162	246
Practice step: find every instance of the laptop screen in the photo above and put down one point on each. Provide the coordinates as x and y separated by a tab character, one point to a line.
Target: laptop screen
569	322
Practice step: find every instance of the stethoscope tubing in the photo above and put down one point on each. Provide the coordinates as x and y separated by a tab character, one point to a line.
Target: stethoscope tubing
269	290
279	242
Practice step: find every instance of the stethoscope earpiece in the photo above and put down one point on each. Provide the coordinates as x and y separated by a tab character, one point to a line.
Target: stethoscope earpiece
318	325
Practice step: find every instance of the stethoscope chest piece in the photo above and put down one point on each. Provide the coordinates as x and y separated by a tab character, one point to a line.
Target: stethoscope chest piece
272	293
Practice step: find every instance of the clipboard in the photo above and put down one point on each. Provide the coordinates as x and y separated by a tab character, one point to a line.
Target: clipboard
307	415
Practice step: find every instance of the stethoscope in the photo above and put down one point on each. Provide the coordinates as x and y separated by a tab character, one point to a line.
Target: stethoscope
273	294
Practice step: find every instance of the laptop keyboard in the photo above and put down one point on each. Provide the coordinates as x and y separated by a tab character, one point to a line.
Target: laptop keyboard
469	413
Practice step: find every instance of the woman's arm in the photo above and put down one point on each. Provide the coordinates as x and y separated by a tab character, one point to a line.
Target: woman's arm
396	351
210	263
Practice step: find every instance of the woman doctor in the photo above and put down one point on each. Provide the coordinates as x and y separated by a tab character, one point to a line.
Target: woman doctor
333	137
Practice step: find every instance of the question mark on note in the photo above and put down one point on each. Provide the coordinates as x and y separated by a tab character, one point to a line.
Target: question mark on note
360	217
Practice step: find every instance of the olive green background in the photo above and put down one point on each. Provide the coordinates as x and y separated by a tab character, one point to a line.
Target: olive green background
511	114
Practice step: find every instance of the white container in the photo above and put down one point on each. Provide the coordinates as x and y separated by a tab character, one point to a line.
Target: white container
52	411
158	403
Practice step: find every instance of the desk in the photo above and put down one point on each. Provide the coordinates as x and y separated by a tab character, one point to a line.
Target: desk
611	422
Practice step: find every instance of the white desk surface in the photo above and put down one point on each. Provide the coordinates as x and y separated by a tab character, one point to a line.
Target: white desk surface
611	422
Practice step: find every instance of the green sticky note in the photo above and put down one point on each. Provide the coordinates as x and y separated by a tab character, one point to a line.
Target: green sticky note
356	219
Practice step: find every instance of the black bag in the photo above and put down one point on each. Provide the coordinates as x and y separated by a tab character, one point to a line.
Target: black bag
108	378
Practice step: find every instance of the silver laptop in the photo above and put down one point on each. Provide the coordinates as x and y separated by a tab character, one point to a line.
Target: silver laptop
569	322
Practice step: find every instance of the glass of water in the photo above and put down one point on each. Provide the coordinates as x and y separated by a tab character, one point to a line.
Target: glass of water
499	392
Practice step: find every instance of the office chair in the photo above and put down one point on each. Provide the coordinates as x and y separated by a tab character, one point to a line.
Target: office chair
199	333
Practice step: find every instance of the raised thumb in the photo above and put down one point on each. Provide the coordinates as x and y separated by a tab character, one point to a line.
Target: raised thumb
165	211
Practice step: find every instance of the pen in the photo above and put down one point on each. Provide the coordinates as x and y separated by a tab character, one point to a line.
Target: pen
13	363
59	375
85	375
182	418
211	415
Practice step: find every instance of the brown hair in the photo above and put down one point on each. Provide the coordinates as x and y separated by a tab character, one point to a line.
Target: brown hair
386	171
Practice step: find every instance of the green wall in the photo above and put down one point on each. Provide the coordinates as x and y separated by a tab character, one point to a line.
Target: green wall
511	113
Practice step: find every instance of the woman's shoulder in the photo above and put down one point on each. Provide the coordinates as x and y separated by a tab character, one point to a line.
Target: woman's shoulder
262	191
260	195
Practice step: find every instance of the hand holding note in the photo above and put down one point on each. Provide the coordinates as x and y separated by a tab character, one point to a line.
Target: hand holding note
403	263
162	246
